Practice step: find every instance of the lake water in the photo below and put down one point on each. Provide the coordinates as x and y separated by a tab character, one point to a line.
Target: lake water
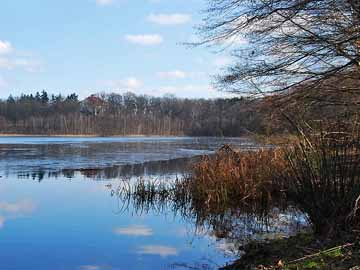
57	211
59	207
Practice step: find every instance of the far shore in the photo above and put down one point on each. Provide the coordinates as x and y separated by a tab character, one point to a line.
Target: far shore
82	135
19	135
96	135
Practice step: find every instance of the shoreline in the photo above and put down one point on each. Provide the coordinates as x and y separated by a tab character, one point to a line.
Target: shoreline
82	135
111	136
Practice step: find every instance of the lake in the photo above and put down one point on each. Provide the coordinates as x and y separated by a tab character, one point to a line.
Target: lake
59	210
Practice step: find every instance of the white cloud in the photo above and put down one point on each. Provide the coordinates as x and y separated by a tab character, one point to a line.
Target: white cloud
134	231
16	60
169	19
162	251
176	74
12	63
154	39
104	2
5	47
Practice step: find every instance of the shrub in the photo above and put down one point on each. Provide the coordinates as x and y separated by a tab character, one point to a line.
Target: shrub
323	178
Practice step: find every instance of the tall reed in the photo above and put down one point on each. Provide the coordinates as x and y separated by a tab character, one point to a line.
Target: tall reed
318	174
323	178
232	178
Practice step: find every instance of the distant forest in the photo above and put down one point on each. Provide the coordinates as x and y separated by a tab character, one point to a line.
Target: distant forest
128	114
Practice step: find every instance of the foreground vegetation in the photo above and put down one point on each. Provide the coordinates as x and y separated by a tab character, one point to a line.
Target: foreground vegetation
316	177
319	175
300	252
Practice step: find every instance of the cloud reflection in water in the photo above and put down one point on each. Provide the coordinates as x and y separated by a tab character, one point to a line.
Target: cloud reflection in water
94	267
15	210
136	230
163	251
19	208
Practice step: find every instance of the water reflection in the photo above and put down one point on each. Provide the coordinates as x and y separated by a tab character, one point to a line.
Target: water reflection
230	227
123	232
95	267
163	251
72	223
14	210
47	154
135	230
171	167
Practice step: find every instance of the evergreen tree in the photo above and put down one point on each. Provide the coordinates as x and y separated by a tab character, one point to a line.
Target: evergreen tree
44	97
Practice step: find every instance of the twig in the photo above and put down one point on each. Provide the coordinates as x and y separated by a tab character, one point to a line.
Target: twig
321	252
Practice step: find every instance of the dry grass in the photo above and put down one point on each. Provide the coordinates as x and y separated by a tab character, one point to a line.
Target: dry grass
319	173
323	179
237	178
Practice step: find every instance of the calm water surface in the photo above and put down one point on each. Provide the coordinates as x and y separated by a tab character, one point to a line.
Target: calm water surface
57	211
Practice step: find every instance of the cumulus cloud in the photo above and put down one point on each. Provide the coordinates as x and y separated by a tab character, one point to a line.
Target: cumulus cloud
134	231
27	64
5	47
163	251
169	19
176	74
154	39
104	2
11	59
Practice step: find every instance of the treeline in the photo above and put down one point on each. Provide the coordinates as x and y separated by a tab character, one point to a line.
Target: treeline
128	114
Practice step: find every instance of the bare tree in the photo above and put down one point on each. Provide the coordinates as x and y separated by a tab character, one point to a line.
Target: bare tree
291	44
127	114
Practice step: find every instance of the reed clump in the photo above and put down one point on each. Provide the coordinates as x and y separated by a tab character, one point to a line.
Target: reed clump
319	174
323	179
231	179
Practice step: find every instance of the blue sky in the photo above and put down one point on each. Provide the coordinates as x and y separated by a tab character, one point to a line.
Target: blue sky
89	46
